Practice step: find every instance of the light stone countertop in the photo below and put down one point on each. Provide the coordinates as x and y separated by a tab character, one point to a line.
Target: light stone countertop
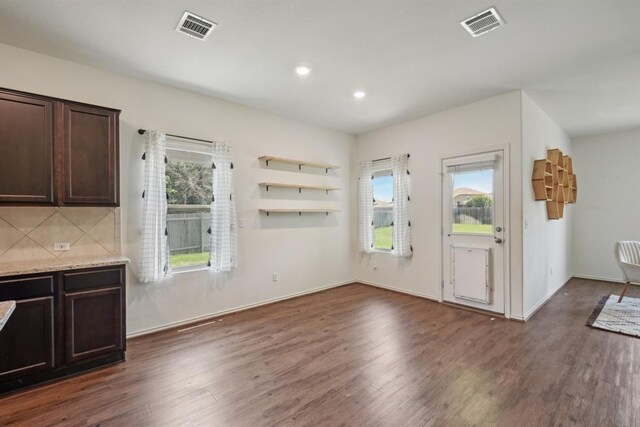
58	264
6	308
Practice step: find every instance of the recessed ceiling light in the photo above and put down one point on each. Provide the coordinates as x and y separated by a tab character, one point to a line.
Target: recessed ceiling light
359	94
303	70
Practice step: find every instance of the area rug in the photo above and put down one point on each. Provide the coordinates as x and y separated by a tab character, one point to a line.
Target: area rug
623	318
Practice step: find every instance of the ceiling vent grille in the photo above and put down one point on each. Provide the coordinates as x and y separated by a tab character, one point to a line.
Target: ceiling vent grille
483	22
195	26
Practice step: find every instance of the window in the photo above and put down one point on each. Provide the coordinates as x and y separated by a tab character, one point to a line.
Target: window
189	177
472	210
382	210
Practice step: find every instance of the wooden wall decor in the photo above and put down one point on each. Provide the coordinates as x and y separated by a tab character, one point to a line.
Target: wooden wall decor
554	182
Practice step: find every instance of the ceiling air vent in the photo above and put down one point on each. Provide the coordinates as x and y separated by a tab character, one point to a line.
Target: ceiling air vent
195	26
483	22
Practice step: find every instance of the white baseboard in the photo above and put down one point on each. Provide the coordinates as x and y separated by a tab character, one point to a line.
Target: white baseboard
605	279
542	302
402	291
234	310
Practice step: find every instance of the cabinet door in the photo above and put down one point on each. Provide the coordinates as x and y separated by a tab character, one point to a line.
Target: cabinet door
93	322
90	156
26	341
26	150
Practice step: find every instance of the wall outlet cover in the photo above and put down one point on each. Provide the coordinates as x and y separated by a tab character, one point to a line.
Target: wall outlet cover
61	247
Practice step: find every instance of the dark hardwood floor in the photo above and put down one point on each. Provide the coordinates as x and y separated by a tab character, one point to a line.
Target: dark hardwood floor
358	355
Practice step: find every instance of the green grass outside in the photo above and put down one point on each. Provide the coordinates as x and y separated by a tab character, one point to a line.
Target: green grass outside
473	228
186	260
383	238
383	235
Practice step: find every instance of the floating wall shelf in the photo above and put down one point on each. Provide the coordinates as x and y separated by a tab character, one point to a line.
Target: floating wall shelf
298	186
554	182
299	211
299	163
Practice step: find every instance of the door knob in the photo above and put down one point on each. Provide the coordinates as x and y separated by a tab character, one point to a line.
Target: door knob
498	240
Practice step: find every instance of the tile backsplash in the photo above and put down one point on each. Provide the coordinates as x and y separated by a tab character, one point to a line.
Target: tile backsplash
28	233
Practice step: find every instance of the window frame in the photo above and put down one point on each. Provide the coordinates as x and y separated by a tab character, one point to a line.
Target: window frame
181	148
381	170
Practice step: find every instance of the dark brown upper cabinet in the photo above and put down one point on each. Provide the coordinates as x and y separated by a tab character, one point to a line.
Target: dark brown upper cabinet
57	152
26	150
89	156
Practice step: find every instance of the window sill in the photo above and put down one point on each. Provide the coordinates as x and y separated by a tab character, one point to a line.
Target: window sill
471	234
189	269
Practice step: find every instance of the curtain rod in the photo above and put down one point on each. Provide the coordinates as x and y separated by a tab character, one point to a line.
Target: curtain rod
386	158
143	131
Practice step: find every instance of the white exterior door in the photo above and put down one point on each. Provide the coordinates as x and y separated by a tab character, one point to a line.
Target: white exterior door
473	234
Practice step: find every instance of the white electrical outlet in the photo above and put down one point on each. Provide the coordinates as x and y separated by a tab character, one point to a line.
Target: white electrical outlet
241	222
57	247
274	277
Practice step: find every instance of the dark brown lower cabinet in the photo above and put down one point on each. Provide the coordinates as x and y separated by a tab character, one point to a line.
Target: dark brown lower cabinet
64	323
93	323
26	341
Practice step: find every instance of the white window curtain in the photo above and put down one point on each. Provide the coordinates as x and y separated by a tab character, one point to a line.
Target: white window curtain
366	206
223	254
401	198
154	258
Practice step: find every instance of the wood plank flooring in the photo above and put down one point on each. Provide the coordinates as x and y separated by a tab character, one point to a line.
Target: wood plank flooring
361	356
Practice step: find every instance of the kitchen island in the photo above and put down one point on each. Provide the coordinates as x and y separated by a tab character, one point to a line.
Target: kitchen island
6	308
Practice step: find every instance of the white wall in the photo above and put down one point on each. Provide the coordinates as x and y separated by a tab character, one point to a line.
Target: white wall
312	252
308	252
546	243
608	209
485	124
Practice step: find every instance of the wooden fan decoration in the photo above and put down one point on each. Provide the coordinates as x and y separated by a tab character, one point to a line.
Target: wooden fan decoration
554	182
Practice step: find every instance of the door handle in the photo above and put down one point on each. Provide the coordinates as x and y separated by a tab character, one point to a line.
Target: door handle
498	240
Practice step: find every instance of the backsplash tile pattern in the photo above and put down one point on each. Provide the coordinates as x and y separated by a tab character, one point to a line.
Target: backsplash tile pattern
28	233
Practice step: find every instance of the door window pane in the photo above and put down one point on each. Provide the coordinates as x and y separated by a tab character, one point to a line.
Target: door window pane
382	210
472	199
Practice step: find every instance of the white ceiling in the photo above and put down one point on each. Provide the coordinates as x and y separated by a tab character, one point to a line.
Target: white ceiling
579	59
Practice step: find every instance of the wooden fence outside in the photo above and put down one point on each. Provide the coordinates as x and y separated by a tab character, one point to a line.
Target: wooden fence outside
478	215
188	232
382	217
